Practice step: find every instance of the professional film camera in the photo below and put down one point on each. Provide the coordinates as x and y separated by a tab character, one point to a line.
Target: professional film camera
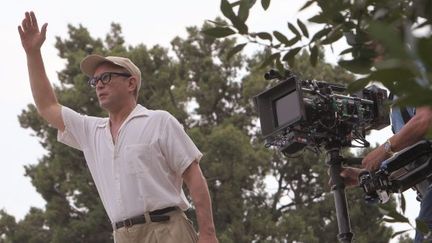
297	114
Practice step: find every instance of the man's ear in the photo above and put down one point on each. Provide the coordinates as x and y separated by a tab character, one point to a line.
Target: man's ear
133	83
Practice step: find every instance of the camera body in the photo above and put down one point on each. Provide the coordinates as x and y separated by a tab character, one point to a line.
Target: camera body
298	113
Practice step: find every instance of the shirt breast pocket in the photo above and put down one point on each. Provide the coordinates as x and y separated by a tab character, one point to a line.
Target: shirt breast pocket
143	158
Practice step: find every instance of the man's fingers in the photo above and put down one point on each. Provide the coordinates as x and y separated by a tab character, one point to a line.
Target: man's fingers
27	22
33	20
20	31
24	24
43	30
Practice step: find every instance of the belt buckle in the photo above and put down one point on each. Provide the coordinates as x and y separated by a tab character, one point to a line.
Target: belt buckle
128	223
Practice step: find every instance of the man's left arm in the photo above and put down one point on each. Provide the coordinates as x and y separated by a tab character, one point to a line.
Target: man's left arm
199	192
414	131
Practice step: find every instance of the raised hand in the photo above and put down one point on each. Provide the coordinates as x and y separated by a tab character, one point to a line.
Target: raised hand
31	37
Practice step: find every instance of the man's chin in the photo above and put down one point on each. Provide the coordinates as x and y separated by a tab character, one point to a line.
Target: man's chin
104	104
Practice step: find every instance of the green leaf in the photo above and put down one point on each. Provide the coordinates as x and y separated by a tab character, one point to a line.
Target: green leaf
290	56
307	4
314	56
424	50
293	41
228	12
243	11
403	203
226	9
280	66
240	26
265	4
270	59
319	19
236	3
389	38
265	36
235	50
281	37
392	75
338	18
359	66
320	34
399	233
291	53
417	98
357	85
422	226
215	22
346	51
333	36
293	29
219	32
303	28
394	216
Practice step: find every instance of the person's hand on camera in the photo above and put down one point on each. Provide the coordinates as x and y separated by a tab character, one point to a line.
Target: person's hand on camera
372	160
350	176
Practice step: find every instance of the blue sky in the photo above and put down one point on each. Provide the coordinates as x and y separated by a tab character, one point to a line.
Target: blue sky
147	22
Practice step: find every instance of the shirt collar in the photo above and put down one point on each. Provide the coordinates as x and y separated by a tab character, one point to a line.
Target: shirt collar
138	111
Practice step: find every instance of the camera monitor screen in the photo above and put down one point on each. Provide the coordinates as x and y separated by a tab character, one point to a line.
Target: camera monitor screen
287	108
280	106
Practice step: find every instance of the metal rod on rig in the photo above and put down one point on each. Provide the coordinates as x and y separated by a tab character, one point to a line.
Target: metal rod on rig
334	161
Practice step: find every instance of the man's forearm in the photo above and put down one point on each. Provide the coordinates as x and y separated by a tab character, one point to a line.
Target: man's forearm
413	131
201	198
43	93
198	190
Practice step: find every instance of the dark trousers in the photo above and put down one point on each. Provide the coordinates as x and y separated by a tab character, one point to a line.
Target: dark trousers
425	215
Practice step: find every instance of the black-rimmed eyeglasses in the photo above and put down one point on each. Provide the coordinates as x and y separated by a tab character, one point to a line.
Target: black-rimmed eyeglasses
105	78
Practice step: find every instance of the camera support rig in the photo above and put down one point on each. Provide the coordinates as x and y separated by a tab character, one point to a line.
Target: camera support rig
409	168
295	114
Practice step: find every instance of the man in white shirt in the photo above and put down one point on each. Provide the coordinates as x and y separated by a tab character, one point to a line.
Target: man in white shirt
138	158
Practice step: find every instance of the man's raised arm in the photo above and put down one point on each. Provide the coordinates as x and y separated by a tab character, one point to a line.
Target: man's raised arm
43	94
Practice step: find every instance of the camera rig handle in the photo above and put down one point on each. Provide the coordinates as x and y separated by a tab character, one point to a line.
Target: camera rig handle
404	170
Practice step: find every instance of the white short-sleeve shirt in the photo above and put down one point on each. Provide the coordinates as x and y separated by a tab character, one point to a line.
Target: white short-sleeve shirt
141	171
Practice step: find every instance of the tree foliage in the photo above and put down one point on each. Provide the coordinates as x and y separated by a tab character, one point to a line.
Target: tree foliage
401	27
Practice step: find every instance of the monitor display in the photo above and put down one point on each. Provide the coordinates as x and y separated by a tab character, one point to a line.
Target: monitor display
287	108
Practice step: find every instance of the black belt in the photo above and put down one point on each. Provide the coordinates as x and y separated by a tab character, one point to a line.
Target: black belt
155	216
